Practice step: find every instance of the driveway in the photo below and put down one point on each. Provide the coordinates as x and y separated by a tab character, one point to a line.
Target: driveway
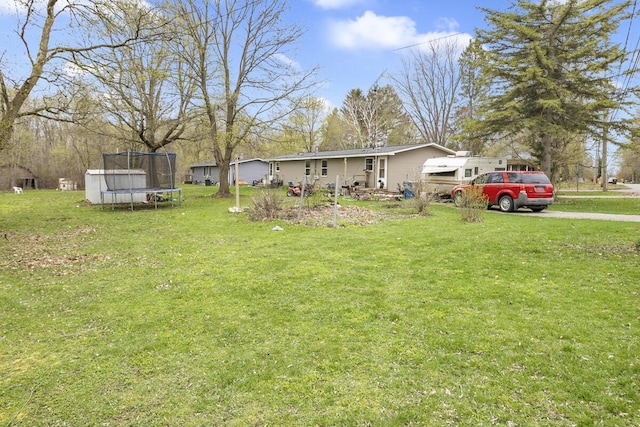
585	215
631	188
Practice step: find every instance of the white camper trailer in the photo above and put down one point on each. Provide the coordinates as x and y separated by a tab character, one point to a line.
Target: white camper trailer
441	174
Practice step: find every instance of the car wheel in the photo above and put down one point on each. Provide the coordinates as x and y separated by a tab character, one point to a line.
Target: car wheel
506	203
538	209
457	198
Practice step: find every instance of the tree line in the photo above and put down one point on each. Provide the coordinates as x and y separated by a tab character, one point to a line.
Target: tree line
544	81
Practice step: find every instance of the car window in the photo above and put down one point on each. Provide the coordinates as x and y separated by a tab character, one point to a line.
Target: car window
515	178
535	178
495	178
480	179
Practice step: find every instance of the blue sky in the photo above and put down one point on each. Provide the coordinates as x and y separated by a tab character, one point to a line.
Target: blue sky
352	41
356	41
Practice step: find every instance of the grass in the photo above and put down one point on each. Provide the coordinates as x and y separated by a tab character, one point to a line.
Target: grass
621	205
194	316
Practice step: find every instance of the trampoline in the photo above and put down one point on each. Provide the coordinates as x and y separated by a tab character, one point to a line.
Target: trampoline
144	177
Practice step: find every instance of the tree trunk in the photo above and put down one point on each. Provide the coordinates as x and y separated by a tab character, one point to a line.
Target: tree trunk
223	189
545	156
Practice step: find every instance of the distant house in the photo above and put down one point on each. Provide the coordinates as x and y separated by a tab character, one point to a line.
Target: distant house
383	167
248	171
17	176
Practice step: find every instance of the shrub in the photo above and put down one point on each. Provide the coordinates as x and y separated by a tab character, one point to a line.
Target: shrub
473	204
317	197
422	198
267	205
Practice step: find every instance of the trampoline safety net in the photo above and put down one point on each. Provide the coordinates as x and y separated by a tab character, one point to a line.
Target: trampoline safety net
130	170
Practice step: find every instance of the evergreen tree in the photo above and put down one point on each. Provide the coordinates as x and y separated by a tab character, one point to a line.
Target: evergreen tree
551	67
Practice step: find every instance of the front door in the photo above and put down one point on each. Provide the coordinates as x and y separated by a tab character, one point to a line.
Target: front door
382	173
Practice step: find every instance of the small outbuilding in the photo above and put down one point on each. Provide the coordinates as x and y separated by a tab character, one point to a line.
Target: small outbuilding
95	182
249	170
17	176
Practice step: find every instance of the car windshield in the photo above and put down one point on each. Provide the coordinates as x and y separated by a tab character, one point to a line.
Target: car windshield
535	178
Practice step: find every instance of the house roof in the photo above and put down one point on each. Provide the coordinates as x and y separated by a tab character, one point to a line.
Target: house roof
204	164
26	172
358	152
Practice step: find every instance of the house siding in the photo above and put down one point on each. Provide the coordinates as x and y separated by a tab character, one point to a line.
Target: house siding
399	166
294	171
248	170
407	166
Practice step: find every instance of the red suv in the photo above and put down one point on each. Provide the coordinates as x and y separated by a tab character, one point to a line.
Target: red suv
511	190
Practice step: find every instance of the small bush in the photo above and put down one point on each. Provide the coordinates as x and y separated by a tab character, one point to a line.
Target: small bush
422	196
472	204
266	205
317	198
422	200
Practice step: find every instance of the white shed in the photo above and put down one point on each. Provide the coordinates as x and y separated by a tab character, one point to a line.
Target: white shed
95	183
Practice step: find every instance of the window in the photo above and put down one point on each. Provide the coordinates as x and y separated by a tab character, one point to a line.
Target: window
381	168
476	170
324	168
307	167
515	178
368	164
480	179
277	167
467	173
495	178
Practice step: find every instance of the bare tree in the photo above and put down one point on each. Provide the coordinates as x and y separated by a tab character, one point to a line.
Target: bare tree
303	130
145	90
244	76
429	84
362	115
58	23
375	119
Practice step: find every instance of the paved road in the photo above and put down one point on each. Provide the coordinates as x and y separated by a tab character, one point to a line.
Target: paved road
635	188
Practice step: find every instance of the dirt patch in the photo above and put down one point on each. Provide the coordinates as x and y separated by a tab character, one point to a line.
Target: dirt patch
54	251
346	215
604	248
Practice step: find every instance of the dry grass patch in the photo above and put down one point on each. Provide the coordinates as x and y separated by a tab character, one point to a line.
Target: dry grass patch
57	251
346	215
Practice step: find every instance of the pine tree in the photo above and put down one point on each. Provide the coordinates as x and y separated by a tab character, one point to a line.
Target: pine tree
551	66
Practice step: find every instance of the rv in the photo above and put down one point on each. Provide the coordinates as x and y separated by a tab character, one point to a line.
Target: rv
441	174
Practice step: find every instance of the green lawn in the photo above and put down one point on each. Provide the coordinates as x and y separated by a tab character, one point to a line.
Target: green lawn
609	205
192	316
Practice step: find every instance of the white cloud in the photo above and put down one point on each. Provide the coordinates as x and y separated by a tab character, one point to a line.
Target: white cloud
371	31
327	106
336	4
447	24
287	61
9	6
